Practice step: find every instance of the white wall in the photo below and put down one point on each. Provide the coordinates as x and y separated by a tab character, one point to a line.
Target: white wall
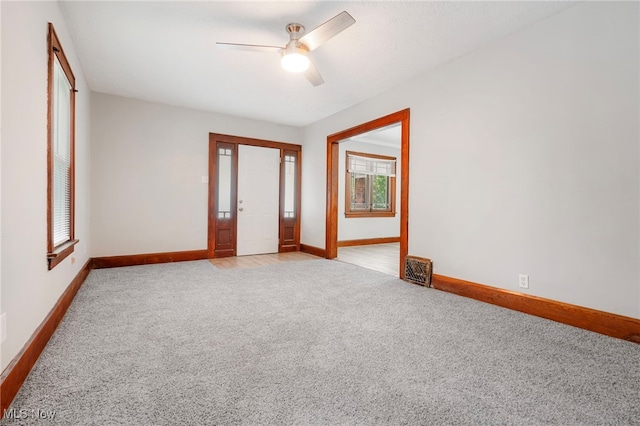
524	159
356	228
29	290
147	163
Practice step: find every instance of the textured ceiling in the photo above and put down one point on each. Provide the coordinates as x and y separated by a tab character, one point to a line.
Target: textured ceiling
386	136
165	51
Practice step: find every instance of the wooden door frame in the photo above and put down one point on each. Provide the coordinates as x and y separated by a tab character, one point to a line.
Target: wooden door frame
333	153
214	139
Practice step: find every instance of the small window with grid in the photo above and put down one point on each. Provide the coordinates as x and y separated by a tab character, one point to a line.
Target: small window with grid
370	185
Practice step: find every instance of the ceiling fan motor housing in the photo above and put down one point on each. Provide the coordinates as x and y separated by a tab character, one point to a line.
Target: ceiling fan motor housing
294	46
295	31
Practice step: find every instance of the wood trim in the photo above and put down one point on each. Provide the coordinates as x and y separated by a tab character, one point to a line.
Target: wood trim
391	212
60	253
56	254
240	140
52	39
368	241
609	324
56	48
316	251
18	370
147	259
211	213
333	141
367	155
214	140
216	225
299	200
285	249
361	214
292	243
404	192
331	231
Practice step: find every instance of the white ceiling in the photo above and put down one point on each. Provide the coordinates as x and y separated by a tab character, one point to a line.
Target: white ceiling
165	51
386	136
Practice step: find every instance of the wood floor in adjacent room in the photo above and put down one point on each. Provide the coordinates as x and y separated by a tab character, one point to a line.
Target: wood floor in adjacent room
378	257
239	262
383	258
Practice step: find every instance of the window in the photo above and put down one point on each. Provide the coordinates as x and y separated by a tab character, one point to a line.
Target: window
60	186
289	186
224	182
370	185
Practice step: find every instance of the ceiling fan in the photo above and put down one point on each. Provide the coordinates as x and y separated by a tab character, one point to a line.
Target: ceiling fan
295	55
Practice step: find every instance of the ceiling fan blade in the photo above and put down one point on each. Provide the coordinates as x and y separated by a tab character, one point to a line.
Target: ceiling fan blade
249	47
313	75
325	31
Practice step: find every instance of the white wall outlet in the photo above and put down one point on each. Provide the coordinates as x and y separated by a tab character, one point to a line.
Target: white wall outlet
204	179
3	327
523	281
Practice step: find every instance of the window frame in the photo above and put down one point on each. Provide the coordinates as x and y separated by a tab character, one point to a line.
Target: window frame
57	253
391	211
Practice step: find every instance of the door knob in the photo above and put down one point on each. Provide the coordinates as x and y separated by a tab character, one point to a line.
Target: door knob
241	209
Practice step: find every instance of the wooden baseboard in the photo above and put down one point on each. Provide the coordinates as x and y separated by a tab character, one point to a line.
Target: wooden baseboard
589	319
18	370
147	259
606	323
316	251
367	241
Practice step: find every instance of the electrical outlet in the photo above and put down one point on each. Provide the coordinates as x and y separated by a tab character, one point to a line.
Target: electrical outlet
204	179
523	281
3	327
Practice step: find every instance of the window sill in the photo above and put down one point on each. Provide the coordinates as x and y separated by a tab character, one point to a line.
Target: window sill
60	253
369	214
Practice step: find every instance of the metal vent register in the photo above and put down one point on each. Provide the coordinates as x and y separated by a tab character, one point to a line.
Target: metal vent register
418	270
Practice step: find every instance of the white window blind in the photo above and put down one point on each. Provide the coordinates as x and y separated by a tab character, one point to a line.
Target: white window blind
61	228
371	166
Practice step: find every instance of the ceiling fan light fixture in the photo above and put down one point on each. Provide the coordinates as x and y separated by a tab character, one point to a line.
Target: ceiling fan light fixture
295	55
294	59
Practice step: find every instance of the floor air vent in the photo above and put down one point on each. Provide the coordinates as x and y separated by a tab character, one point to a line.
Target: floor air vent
418	270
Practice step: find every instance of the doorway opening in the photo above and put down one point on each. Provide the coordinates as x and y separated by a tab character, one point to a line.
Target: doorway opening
401	119
254	196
